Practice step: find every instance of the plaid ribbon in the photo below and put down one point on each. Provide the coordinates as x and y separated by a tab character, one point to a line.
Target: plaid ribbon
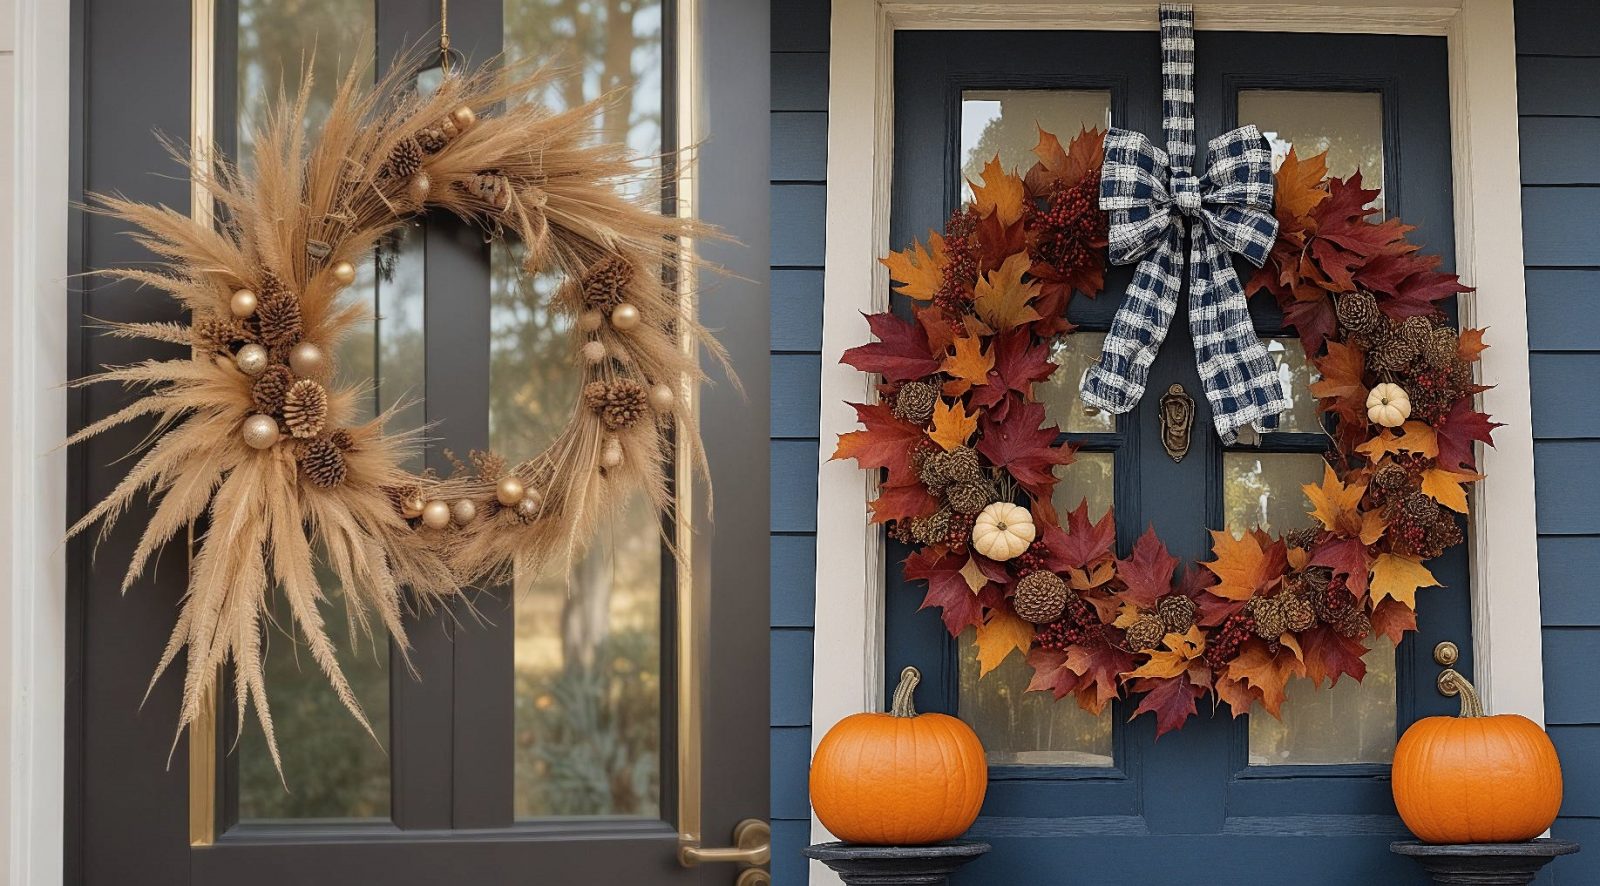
1155	201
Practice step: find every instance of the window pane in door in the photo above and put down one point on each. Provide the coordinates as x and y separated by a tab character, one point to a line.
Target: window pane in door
1297	375
1007	122
332	768
1073	355
588	713
1263	489
1351	722
1347	125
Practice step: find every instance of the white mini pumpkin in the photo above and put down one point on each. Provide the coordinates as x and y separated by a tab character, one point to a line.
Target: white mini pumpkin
1003	530
1388	405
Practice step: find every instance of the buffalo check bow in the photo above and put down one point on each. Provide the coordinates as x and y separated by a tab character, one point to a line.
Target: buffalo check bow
1154	201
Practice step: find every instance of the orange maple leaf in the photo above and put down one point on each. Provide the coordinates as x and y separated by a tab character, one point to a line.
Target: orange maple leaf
1470	344
1399	577
1001	298
1300	186
1174	658
1448	487
1336	505
919	271
1068	166
1416	436
1245	565
1001	194
1266	672
1340	389
1001	633
968	366
952	426
1372	527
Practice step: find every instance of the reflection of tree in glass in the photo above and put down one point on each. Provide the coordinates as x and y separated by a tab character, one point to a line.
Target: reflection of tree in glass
1352	722
1017	726
279	38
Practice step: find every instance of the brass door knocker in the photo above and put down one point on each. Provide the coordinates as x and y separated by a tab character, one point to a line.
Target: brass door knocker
1177	421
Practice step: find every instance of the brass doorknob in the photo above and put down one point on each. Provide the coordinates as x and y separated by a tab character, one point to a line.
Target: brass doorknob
752	847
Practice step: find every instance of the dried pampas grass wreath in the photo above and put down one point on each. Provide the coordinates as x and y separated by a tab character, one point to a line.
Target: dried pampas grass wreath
258	442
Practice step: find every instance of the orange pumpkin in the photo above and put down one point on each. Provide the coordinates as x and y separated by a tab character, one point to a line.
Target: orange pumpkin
899	779
1476	778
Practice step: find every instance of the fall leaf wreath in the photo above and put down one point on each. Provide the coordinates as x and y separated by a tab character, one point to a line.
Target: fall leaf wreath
968	457
258	440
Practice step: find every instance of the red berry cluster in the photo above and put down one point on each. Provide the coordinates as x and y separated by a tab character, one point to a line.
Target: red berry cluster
1065	235
1432	392
1078	626
1224	644
1033	559
961	263
960	531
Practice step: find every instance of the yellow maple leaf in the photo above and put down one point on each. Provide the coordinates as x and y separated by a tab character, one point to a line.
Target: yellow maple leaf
1180	649
1335	504
1266	671
1099	574
1001	193
1448	487
1001	298
952	426
1002	633
968	366
1399	577
1416	437
1300	185
1127	614
919	271
1372	527
973	576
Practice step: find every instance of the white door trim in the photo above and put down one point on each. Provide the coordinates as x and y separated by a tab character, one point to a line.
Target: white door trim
850	582
35	53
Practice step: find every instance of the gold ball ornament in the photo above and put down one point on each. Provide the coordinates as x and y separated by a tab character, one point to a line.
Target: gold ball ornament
528	508
594	351
464	511
611	454
243	304
463	118
589	321
625	317
662	398
252	360
509	491
419	187
259	431
344	273
411	508
436	514
307	360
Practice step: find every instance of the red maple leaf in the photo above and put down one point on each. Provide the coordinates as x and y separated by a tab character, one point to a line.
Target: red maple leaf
1101	666
1024	449
938	330
995	242
1051	674
1391	618
1419	293
887	442
1330	655
1082	542
1313	320
947	587
1147	575
1346	557
901	353
1457	432
1019	361
1170	700
902	502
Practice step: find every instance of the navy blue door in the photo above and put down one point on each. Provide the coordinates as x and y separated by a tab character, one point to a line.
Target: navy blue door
1076	798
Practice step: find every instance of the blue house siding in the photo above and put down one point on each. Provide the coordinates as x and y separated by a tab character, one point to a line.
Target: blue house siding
799	172
1558	58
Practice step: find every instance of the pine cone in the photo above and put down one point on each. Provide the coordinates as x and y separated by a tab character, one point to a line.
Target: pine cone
270	388
220	336
935	470
914	402
1358	313
1298	614
625	401
1271	621
932	529
305	409
1419	506
1146	633
1391	477
431	139
594	395
1302	537
323	463
1392	351
1317	579
1461	375
404	160
1353	623
342	439
1441	348
968	497
1177	613
492	188
1041	597
604	284
963	465
278	318
1419	331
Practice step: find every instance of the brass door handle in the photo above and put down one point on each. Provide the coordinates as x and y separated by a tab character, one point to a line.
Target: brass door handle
752	847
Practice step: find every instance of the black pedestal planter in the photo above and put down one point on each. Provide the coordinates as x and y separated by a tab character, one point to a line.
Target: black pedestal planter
896	865
1485	864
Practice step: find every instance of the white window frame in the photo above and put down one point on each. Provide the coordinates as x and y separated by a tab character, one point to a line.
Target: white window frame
848	675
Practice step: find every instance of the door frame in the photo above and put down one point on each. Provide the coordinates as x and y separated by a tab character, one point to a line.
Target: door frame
850	578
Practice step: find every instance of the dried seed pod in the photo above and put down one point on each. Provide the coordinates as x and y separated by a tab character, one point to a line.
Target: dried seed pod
323	463
270	389
1041	597
490	187
305	409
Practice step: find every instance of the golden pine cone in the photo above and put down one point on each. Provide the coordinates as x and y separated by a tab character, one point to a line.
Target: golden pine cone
594	396
1177	613
1392	351
404	159
932	529
219	336
492	188
278	319
1041	597
271	286
1146	633
431	139
605	283
323	463
305	409
914	402
620	403
962	465
1419	506
342	439
934	471
1358	313
968	496
1353	623
1442	347
1268	612
270	389
1391	477
1298	614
